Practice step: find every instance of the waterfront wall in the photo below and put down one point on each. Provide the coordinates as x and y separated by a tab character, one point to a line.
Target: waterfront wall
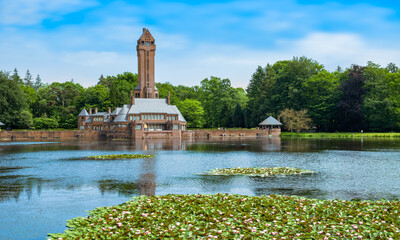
98	135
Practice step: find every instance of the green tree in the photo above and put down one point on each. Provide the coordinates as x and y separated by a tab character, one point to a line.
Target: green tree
164	88
28	80
238	116
321	93
378	107
193	112
11	101
96	96
38	83
45	123
16	77
218	99
24	120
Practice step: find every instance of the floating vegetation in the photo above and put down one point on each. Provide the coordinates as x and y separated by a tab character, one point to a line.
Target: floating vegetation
119	156
225	216
257	171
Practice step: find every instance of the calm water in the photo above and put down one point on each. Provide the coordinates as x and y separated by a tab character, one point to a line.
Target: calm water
44	184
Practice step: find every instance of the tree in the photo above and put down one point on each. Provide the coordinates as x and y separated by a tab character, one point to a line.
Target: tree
24	120
350	116
321	97
391	67
16	77
28	80
45	123
193	112
38	83
295	120
378	107
12	101
97	96
238	116
218	99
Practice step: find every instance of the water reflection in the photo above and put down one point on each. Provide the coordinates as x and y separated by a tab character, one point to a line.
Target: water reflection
117	186
147	180
40	180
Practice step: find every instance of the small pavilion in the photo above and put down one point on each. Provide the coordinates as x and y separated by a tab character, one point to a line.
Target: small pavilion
271	125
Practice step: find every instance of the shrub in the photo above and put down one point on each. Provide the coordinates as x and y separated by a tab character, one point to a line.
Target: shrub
45	123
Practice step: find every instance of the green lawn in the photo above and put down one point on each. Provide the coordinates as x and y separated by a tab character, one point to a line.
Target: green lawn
341	135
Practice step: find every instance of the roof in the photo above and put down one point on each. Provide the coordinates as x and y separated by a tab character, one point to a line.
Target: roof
83	113
116	111
123	114
99	114
153	105
270	121
146	36
2	124
138	87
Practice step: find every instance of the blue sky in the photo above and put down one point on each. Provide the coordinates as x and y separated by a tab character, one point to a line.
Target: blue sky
82	39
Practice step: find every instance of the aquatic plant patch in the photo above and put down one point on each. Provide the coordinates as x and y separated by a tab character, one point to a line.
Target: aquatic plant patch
225	216
257	171
119	156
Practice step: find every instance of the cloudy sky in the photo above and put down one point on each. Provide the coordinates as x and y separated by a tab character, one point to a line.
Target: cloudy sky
82	39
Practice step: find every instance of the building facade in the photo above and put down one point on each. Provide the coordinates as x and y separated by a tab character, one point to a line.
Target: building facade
146	114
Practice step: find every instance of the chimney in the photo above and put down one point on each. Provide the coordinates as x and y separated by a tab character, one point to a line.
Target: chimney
95	110
109	111
144	30
90	111
132	98
169	99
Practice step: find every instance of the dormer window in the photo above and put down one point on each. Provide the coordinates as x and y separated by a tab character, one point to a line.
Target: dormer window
152	43
147	43
142	42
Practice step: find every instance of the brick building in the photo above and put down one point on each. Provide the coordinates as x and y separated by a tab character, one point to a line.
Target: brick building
146	114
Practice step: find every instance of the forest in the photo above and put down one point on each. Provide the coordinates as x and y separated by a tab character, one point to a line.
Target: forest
357	98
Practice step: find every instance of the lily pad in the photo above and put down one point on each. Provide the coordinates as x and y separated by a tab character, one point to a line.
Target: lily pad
224	216
256	171
119	156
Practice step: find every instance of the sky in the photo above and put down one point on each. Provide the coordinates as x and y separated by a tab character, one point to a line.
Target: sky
82	39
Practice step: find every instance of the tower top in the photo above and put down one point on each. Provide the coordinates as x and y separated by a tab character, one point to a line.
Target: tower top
146	37
146	49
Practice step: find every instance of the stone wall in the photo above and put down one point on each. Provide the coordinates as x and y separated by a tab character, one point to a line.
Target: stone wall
46	135
98	135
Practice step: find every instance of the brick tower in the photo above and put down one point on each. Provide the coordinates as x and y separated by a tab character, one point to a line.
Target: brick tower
146	50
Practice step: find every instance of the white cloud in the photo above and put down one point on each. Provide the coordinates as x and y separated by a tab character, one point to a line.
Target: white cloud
31	12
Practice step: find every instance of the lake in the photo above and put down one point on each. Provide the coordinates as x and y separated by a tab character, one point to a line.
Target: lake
42	184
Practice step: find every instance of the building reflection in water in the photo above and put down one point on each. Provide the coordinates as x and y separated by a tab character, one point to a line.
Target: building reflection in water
147	180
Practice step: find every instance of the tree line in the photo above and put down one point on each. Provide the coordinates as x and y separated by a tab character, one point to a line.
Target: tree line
357	98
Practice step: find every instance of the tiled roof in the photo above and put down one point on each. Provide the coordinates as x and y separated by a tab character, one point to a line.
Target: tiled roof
270	121
152	105
83	113
142	105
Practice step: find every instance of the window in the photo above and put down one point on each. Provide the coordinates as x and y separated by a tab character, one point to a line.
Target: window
176	127
147	52
152	43
138	126
183	127
147	44
147	77
147	63
156	95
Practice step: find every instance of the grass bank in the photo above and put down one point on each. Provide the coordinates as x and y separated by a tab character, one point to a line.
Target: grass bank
341	135
223	216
